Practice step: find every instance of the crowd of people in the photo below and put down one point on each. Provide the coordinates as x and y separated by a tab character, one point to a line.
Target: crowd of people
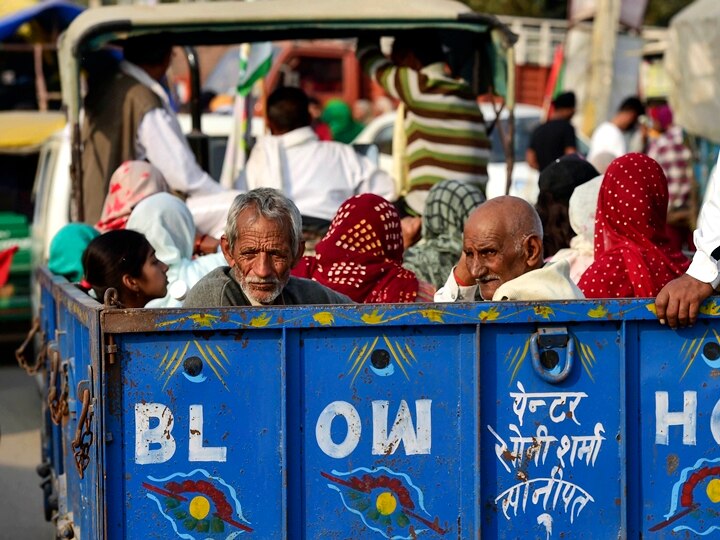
166	235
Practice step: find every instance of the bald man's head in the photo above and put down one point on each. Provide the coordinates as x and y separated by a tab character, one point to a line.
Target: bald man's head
502	240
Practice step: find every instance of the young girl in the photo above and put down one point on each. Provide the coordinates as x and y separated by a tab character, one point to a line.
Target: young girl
125	261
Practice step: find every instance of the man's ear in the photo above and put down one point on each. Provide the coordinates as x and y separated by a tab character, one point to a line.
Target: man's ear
533	251
299	254
225	246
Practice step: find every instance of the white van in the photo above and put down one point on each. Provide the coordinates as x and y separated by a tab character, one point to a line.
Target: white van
52	189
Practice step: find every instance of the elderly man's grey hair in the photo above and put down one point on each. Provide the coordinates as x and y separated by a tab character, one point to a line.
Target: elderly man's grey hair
270	204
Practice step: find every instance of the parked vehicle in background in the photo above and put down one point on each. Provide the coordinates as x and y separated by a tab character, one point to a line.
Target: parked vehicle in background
28	64
22	138
29	87
524	177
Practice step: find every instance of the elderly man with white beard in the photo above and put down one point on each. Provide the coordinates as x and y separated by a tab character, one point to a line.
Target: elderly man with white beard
262	243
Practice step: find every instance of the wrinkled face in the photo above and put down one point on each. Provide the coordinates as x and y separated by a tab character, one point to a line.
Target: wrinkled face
262	256
153	281
492	256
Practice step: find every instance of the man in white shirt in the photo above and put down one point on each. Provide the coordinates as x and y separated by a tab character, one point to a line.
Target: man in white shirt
609	137
503	258
318	176
128	116
677	304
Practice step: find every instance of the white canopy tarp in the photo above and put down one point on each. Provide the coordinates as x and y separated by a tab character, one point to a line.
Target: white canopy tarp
692	61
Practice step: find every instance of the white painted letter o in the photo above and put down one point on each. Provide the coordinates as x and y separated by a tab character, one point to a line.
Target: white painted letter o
715	422
324	423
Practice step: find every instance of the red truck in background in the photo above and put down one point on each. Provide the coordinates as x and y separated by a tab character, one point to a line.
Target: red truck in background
325	70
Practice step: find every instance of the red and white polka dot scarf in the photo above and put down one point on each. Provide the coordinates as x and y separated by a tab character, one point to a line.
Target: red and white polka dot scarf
362	253
633	257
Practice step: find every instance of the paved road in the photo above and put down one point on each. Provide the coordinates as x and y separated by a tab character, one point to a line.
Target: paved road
21	514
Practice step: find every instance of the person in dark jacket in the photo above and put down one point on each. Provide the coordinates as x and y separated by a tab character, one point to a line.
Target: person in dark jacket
556	137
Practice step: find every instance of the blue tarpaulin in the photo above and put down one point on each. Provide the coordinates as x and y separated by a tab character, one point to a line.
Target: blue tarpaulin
49	15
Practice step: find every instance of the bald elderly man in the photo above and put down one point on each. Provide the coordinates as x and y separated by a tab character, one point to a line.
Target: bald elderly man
502	258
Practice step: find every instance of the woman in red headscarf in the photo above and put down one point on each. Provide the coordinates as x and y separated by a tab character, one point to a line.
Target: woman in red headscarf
633	256
362	253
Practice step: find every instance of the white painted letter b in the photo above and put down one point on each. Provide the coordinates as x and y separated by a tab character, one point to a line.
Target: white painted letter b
160	436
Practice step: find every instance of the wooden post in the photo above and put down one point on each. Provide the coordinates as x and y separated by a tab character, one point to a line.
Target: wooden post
604	37
40	87
510	103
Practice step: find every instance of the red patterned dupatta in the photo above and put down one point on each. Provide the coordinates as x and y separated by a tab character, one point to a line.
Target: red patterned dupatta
633	257
361	254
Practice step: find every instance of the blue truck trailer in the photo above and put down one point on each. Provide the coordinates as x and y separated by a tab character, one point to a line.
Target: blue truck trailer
481	420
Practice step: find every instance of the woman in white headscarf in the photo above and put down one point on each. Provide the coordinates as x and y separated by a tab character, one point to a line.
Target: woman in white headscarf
581	213
168	225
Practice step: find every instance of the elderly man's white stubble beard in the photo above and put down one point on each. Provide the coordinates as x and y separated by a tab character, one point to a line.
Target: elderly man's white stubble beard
268	296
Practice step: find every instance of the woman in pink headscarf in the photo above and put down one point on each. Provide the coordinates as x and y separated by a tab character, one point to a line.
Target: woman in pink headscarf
130	183
633	256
